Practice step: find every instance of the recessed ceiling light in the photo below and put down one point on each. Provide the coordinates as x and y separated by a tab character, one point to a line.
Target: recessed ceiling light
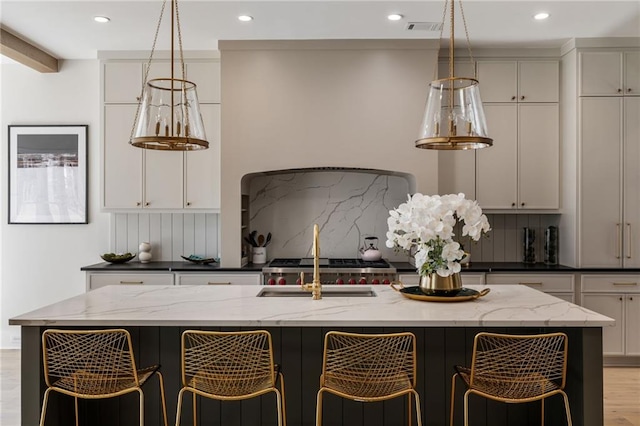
394	17
101	19
540	16
245	18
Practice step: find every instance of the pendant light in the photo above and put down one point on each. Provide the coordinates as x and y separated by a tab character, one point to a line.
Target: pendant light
168	114
454	118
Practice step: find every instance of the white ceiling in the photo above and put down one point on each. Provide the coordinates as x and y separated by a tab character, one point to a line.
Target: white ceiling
66	29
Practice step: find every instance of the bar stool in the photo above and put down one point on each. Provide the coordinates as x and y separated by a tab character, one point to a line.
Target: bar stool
229	366
94	364
515	369
369	368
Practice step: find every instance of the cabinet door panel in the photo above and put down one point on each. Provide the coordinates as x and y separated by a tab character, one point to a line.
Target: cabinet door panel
632	73
610	305
539	156
122	179
122	82
632	324
600	73
164	179
498	81
202	186
600	201
538	81
496	167
631	248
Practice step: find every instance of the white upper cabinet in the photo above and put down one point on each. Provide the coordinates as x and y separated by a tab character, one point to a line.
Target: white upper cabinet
521	171
135	178
609	73
122	81
519	81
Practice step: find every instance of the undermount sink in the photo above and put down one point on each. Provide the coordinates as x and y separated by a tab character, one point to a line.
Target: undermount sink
294	291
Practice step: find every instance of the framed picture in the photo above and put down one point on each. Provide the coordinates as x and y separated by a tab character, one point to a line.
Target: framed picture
48	174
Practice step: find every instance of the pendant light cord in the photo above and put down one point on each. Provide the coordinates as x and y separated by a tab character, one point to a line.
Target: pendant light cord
146	71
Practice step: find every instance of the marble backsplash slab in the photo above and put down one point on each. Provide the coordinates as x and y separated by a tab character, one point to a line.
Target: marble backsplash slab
347	205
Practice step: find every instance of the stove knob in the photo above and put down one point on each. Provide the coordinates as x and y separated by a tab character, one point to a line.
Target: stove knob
386	281
298	281
362	281
282	281
352	280
271	281
339	281
375	281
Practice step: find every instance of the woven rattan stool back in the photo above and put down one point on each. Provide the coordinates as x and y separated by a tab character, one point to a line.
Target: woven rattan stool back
515	369
230	366
369	367
93	364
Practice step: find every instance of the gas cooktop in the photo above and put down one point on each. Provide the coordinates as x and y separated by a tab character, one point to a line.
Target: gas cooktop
328	262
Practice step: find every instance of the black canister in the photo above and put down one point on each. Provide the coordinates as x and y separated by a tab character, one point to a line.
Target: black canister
529	252
551	245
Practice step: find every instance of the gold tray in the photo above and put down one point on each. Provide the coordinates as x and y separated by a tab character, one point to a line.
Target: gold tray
415	293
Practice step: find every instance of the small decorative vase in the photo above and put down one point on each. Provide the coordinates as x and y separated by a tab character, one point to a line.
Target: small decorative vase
145	252
434	283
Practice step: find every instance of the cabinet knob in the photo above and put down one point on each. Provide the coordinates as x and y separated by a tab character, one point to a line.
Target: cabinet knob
138	98
629	90
522	204
631	298
138	203
522	98
619	90
621	298
146	204
513	98
188	203
513	204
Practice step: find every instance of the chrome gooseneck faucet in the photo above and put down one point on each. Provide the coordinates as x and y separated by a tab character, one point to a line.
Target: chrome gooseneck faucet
315	286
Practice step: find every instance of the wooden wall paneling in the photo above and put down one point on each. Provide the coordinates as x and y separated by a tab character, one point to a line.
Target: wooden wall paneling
487	243
155	236
311	343
435	400
121	242
213	235
167	236
133	229
498	231
477	405
144	230
188	235
130	403
289	356
177	248
454	347
200	235
511	245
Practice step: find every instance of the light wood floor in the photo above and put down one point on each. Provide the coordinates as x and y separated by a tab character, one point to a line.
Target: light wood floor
621	393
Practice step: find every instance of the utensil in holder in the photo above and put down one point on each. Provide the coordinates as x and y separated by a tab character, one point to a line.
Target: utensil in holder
529	249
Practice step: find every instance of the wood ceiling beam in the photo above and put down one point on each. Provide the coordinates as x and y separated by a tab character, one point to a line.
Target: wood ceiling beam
26	53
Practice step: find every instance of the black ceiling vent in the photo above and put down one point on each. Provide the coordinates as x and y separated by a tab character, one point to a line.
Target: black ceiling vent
424	26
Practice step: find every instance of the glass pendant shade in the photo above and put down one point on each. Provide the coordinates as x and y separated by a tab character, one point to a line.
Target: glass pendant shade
453	117
169	117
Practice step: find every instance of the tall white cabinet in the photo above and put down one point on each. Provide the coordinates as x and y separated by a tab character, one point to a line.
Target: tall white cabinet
139	179
609	146
521	171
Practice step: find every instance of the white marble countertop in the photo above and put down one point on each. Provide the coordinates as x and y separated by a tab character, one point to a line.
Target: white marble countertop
191	306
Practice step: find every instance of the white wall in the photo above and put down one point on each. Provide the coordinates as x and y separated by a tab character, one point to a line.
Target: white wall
337	103
40	264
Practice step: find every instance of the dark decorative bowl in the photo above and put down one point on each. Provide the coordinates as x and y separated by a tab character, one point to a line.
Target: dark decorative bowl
197	259
117	258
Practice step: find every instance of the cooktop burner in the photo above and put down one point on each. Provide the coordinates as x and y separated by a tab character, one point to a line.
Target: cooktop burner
332	263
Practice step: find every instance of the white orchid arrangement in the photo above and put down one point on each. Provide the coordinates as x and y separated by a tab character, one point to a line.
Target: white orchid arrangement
426	223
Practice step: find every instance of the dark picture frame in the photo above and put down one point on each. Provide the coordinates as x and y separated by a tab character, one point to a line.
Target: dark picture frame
48	181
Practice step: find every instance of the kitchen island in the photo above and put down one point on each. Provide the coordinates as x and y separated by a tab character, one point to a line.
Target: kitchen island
157	315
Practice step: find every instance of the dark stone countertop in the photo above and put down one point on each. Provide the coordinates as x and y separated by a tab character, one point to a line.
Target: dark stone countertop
168	267
497	267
